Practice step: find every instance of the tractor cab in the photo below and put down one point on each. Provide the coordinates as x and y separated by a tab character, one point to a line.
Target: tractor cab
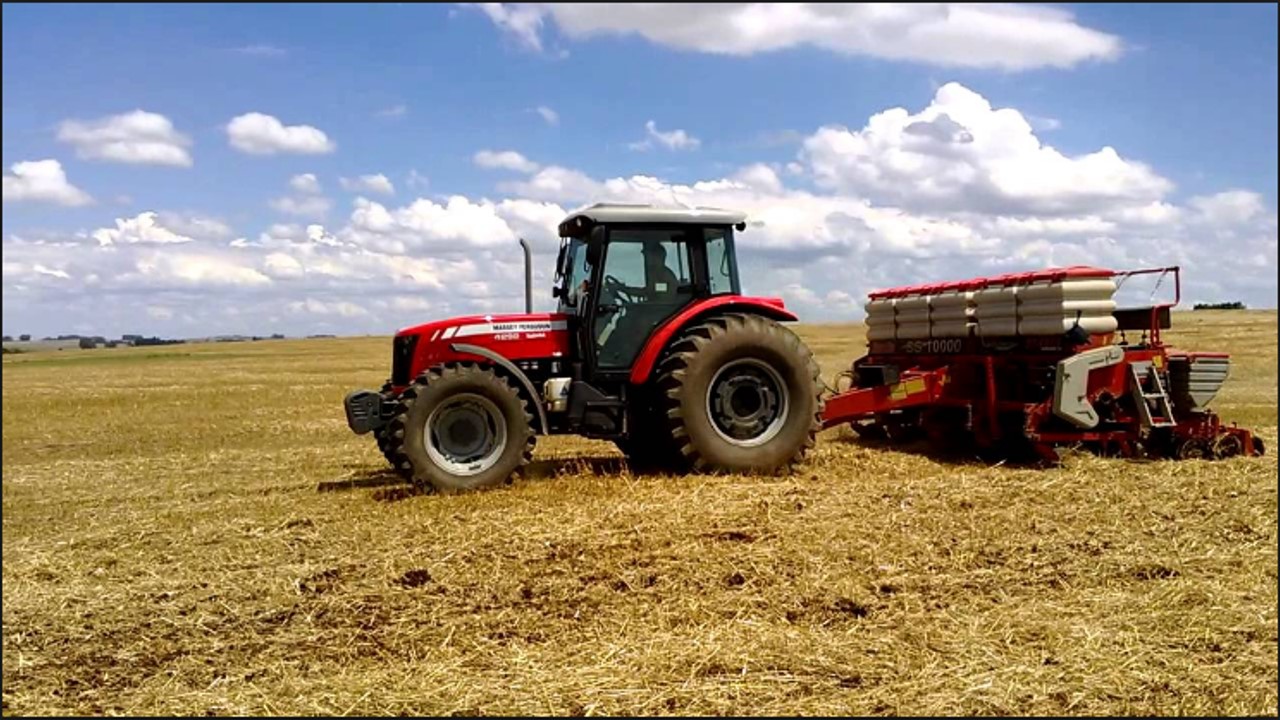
624	270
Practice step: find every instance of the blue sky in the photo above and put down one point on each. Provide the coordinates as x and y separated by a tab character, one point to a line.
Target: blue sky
1184	94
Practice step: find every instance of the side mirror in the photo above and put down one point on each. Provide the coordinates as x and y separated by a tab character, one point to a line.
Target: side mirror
560	260
595	245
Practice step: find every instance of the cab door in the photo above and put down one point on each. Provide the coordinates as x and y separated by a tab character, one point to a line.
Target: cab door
646	276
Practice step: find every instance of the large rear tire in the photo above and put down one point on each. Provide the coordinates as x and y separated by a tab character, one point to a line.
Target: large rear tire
649	446
741	394
463	427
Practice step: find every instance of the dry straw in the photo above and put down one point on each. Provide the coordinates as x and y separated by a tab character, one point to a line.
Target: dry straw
193	530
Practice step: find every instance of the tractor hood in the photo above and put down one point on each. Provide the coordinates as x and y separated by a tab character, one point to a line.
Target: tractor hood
535	336
480	326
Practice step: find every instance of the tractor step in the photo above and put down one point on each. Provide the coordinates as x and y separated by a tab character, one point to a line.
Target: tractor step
1147	390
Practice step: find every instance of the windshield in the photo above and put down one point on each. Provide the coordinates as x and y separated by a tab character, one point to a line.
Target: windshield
576	274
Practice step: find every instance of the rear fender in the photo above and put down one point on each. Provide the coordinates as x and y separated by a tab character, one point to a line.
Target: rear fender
771	308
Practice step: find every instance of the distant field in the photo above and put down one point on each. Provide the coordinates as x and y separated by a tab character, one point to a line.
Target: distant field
193	530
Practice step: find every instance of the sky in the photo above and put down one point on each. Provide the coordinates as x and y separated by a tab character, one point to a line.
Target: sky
353	169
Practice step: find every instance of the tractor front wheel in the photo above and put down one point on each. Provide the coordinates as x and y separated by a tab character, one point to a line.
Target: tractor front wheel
462	427
388	444
741	394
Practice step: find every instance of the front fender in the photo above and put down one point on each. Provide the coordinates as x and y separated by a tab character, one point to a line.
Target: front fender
772	308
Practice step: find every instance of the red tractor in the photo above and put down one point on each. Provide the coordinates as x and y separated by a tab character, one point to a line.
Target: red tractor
652	346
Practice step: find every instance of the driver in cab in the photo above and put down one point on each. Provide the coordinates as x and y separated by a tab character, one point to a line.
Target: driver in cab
662	283
621	336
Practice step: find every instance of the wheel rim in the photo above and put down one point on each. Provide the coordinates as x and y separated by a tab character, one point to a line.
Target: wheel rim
465	434
1228	446
1191	450
747	402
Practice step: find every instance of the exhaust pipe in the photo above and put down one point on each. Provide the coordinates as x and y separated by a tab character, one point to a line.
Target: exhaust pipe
528	277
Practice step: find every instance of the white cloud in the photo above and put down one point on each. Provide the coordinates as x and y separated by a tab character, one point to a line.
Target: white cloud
671	139
138	137
369	183
537	222
506	160
282	265
821	245
196	226
317	307
416	180
550	116
960	152
394	111
305	183
307	202
456	226
1044	124
1231	206
411	302
311	206
198	270
259	134
260	50
554	183
42	270
1009	37
42	181
144	228
1152	214
761	177
524	22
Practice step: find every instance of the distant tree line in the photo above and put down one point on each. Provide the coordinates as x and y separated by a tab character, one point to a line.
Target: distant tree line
1237	305
89	342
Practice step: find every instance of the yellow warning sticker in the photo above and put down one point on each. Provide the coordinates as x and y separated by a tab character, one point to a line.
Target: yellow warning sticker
897	391
915	385
1158	361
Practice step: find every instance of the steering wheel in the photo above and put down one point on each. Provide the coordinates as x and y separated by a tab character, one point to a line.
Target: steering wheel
615	289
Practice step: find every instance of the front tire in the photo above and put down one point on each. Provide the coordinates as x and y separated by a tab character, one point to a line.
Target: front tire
389	445
463	427
741	394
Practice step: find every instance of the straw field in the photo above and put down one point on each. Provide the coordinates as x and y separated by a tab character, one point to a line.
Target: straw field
193	530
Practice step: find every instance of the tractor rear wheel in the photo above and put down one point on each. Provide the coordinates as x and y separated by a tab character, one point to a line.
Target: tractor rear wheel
462	427
649	445
741	394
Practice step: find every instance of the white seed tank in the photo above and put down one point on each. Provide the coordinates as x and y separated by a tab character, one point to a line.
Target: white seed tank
952	314
996	311
1046	302
1050	307
912	317
880	320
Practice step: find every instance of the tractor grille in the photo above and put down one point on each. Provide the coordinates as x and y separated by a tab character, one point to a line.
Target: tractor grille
402	358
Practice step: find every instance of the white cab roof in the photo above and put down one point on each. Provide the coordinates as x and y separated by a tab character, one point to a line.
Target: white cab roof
623	213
